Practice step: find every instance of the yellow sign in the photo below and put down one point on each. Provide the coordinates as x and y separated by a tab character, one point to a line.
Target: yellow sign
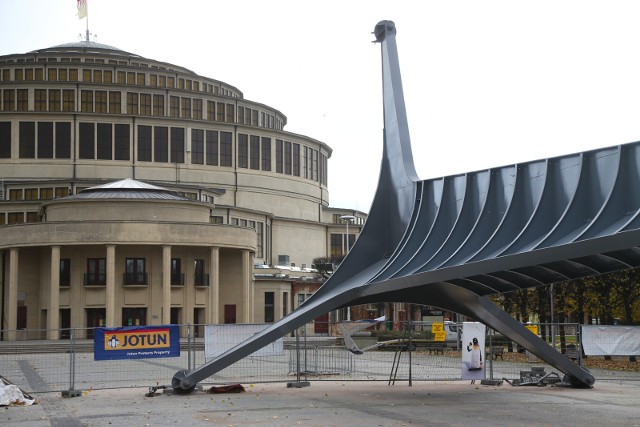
437	327
532	328
440	336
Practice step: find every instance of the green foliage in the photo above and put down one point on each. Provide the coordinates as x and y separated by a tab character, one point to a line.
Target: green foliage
610	298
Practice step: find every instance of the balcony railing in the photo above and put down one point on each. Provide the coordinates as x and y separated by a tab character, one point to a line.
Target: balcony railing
134	279
177	279
95	279
201	280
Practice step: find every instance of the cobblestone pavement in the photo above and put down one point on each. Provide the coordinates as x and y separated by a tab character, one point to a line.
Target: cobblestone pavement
343	404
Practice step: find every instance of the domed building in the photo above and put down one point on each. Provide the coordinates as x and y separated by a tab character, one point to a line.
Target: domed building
134	191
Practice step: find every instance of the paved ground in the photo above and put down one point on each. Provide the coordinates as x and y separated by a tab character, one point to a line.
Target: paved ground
344	404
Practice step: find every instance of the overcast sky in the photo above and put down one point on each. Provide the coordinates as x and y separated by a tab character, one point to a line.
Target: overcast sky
486	83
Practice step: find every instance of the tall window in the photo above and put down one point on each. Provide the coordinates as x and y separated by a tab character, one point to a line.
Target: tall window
279	151
200	279
145	104
27	144
211	111
23	100
55	100
266	154
336	245
122	144
220	111
269	307
226	151
243	150
45	140
296	159
158	105
114	102
63	140
5	140
186	108
197	146
101	101
96	271
197	108
287	158
144	143
177	145
135	271
160	144
86	149
68	100
132	103
174	106
40	99
9	100
211	148
230	116
86	101
177	277
104	141
254	152
65	272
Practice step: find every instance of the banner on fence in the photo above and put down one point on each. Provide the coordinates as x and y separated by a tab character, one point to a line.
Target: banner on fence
220	338
611	340
473	351
136	342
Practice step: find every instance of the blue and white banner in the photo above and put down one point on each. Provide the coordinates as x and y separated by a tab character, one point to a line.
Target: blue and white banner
136	342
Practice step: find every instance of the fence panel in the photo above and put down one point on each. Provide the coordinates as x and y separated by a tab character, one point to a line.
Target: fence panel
39	365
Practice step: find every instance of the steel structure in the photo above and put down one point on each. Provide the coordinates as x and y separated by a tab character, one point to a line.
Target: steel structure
453	241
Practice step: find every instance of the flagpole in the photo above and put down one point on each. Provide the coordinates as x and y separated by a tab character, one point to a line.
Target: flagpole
87	17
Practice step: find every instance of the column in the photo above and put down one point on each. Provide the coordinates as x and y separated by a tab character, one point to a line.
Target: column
166	284
53	311
246	289
213	309
12	298
110	290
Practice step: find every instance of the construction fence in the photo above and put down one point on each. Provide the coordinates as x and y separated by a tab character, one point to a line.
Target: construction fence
408	353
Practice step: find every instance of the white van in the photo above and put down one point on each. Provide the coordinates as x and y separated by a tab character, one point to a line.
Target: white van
451	328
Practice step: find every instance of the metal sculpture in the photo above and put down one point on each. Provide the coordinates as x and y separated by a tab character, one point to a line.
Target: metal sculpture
451	242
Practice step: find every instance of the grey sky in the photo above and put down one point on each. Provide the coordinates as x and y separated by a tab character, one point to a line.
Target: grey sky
486	83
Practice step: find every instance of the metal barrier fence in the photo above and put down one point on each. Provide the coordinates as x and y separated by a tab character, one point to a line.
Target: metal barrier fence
39	365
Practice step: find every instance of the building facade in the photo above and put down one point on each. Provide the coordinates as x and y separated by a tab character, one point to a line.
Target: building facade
236	198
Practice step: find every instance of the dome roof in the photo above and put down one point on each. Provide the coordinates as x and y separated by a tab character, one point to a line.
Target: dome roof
127	189
84	47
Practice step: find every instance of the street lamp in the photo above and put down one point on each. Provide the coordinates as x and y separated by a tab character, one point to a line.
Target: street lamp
347	219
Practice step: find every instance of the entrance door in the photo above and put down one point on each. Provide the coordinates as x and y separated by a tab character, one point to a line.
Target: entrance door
229	313
95	317
176	316
199	316
134	316
321	324
65	323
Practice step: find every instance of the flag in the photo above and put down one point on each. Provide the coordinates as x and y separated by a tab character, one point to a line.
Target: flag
82	9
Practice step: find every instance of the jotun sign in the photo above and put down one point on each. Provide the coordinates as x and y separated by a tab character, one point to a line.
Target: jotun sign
136	342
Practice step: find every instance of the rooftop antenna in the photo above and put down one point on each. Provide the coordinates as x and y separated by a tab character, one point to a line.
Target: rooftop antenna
83	12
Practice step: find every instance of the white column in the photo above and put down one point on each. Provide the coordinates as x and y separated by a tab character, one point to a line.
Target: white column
213	312
110	289
166	284
53	312
11	304
246	289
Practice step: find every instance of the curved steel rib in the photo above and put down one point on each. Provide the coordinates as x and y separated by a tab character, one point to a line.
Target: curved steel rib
451	242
